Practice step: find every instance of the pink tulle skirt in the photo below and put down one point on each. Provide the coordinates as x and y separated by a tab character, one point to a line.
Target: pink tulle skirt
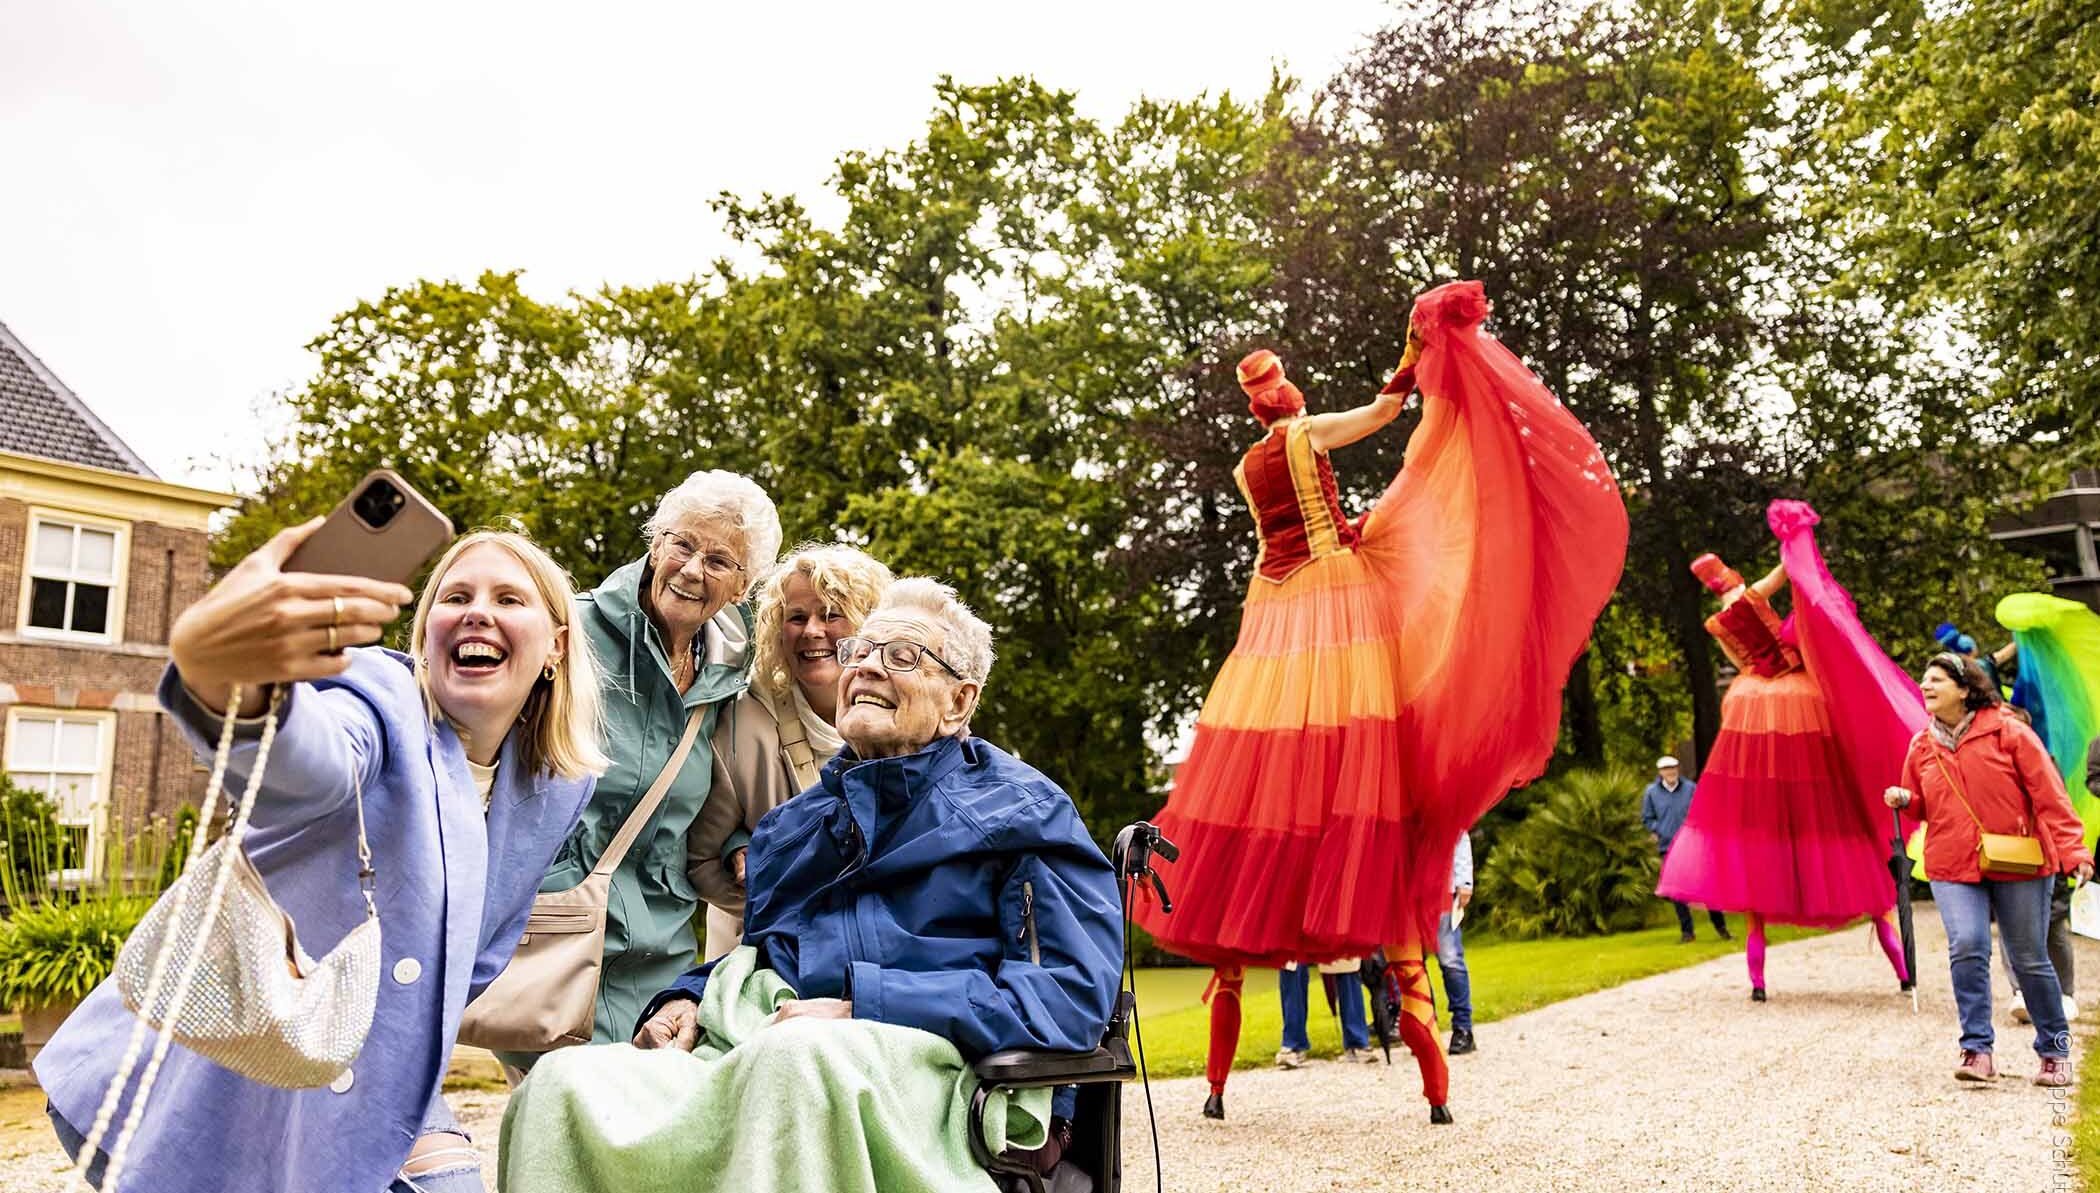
1775	827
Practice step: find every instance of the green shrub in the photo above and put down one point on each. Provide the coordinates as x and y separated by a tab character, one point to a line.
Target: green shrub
1579	864
55	952
66	921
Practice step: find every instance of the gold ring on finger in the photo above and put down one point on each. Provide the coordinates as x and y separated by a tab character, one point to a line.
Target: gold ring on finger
333	645
338	603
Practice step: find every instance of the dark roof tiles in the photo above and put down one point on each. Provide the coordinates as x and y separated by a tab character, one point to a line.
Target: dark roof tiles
39	416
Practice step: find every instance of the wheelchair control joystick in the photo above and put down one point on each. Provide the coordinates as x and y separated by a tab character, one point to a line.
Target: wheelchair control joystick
1133	851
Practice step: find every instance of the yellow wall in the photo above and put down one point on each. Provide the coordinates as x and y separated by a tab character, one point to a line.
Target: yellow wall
36	481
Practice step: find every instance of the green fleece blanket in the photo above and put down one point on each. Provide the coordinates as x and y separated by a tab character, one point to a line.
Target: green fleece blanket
809	1105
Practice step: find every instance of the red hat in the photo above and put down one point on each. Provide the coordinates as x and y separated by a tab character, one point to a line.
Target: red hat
1716	575
1269	395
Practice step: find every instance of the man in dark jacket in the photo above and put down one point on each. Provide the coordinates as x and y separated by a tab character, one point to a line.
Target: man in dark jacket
1663	808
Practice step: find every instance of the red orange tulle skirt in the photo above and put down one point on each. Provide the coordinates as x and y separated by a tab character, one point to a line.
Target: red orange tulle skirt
1774	828
1305	707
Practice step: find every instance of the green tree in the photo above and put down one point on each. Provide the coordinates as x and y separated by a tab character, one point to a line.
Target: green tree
563	419
1960	159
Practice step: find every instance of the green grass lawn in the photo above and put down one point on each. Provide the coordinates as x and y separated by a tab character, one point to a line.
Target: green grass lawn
1509	978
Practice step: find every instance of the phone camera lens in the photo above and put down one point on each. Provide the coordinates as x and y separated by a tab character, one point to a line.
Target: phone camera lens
377	504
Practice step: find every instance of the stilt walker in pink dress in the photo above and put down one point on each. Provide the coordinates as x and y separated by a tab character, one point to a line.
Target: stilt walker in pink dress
1787	824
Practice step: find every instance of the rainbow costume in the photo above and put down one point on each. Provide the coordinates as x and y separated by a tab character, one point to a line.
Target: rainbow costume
2059	685
1393	676
1787	824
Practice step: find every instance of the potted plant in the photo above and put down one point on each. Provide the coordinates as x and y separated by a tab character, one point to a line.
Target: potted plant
64	926
53	953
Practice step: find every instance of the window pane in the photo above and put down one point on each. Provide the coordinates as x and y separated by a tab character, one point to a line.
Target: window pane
90	609
34	743
98	555
41	784
79	746
54	547
76	859
75	795
47	603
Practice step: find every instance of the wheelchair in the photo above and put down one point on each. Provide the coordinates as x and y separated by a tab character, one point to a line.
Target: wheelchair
1097	1118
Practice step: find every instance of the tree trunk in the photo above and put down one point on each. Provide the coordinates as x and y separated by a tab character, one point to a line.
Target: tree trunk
1688	619
1686	613
1585	727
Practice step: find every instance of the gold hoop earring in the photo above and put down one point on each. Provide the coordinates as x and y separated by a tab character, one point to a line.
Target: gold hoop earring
547	673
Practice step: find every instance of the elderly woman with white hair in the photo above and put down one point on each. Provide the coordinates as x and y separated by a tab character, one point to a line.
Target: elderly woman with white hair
933	899
673	637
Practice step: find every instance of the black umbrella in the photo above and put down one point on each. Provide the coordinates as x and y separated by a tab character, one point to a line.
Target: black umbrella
1383	1011
1899	869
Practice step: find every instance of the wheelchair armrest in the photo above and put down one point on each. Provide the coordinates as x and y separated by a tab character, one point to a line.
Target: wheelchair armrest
1022	1068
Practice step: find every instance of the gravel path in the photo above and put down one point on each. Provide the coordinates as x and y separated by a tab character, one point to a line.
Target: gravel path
1672	1082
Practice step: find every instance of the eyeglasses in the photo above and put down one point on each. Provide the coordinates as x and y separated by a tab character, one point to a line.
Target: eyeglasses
677	551
899	657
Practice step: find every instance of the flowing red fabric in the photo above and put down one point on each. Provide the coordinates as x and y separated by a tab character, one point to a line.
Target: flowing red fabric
1882	707
1383	696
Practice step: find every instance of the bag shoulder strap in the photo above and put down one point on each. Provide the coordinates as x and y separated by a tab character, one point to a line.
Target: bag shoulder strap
794	737
1939	758
624	840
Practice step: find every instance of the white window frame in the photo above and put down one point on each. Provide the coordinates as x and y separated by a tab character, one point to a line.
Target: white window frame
105	722
120	562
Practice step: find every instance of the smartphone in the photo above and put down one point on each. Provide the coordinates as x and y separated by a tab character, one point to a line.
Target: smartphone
384	530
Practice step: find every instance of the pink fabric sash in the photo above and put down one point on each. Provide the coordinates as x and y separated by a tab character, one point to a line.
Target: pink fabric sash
1881	709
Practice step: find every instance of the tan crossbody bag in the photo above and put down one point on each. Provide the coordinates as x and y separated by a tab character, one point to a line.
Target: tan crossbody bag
1998	855
547	997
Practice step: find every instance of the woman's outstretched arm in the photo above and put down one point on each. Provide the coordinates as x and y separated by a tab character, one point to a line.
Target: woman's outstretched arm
1771	582
1344	427
1330	431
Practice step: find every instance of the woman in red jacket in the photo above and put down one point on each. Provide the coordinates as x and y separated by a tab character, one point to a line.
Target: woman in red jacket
1974	770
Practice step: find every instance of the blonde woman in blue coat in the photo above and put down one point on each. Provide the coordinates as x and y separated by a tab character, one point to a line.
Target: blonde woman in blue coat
475	753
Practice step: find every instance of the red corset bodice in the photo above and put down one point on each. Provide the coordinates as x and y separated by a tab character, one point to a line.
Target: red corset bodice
1290	489
1749	630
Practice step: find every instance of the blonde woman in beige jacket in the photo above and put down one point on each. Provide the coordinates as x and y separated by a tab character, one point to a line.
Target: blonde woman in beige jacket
771	743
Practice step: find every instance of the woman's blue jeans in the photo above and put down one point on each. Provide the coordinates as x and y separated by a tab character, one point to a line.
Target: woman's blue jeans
2022	910
1294	988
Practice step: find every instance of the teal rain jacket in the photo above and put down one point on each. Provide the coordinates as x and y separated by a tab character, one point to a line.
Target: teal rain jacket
649	933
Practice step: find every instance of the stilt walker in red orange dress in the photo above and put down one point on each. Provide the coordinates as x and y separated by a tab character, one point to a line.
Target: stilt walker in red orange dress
1393	677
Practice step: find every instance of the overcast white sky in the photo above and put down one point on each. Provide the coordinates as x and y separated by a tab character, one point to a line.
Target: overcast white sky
190	189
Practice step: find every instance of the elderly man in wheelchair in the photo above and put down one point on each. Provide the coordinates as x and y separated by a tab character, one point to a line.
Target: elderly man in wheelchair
932	904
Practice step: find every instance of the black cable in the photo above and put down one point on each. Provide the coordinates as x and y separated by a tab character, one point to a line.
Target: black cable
1137	1038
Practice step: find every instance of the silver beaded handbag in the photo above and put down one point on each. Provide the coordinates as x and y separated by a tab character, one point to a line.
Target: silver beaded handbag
258	1005
253	1000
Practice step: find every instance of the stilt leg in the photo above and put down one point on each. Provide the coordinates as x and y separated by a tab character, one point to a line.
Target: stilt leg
1224	998
1754	954
1418	1026
1891	945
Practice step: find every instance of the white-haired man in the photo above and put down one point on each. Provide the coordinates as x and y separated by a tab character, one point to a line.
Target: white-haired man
929	881
1663	808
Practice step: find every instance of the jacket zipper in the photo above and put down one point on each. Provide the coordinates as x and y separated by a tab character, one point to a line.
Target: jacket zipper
857	943
1035	950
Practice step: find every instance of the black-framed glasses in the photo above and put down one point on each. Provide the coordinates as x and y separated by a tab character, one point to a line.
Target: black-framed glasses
899	656
677	551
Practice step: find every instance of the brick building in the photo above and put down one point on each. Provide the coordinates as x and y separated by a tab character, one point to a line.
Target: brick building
2063	531
97	556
